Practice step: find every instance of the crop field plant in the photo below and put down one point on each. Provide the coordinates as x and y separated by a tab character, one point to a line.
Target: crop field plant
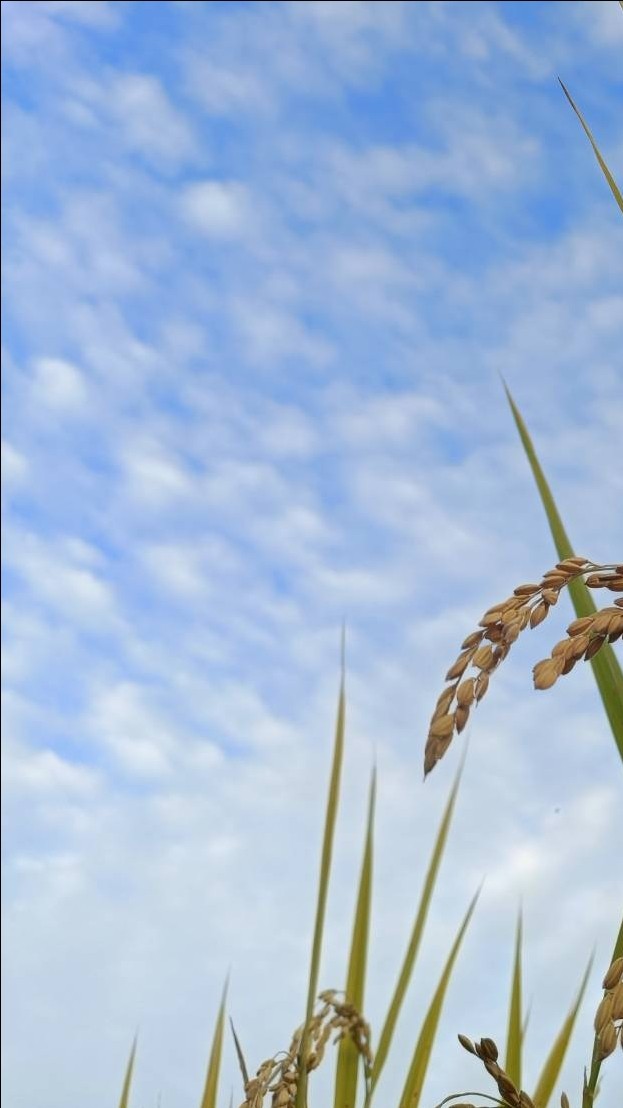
337	1018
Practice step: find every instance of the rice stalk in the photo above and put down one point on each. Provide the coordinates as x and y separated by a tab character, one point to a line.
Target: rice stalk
323	883
347	1072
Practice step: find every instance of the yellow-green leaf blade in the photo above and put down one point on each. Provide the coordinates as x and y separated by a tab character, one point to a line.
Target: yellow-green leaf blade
606	668
347	1072
546	1085
614	188
323	882
387	1031
514	1038
421	1056
210	1091
127	1080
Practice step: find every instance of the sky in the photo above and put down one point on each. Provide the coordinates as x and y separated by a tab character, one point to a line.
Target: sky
265	266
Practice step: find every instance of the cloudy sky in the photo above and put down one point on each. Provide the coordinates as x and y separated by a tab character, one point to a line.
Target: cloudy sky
265	264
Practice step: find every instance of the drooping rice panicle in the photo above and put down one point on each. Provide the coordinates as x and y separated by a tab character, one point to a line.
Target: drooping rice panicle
488	1053
501	625
608	1021
279	1076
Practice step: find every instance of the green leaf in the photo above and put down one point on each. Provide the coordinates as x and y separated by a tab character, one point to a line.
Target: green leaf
616	192
606	668
323	883
210	1091
127	1081
514	1036
421	1056
348	1062
387	1031
240	1056
553	1064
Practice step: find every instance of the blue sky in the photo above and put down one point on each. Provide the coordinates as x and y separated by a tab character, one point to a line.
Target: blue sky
265	264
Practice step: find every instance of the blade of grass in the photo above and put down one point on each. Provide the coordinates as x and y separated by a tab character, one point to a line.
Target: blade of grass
616	192
606	668
551	1069
210	1091
240	1056
421	1056
127	1080
323	884
525	1024
590	1087
514	1036
347	1072
387	1031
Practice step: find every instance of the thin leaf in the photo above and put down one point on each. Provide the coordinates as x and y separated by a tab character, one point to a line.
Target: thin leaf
606	668
590	1084
553	1064
127	1081
525	1024
240	1056
347	1072
210	1091
515	1033
323	883
387	1031
616	192
419	1064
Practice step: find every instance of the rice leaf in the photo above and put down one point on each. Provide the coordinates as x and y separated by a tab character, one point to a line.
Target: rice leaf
526	1024
127	1081
553	1064
421	1056
210	1091
387	1031
616	192
606	668
347	1072
514	1038
240	1056
323	883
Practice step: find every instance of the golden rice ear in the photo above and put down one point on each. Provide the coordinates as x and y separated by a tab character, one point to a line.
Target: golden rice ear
485	649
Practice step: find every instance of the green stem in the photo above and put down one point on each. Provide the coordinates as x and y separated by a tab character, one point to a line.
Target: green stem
590	1086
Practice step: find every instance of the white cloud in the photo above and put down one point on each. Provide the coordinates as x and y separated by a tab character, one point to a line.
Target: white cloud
138	738
94	13
224	91
63	583
154	476
269	334
602	20
14	464
59	385
45	773
147	118
219	209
